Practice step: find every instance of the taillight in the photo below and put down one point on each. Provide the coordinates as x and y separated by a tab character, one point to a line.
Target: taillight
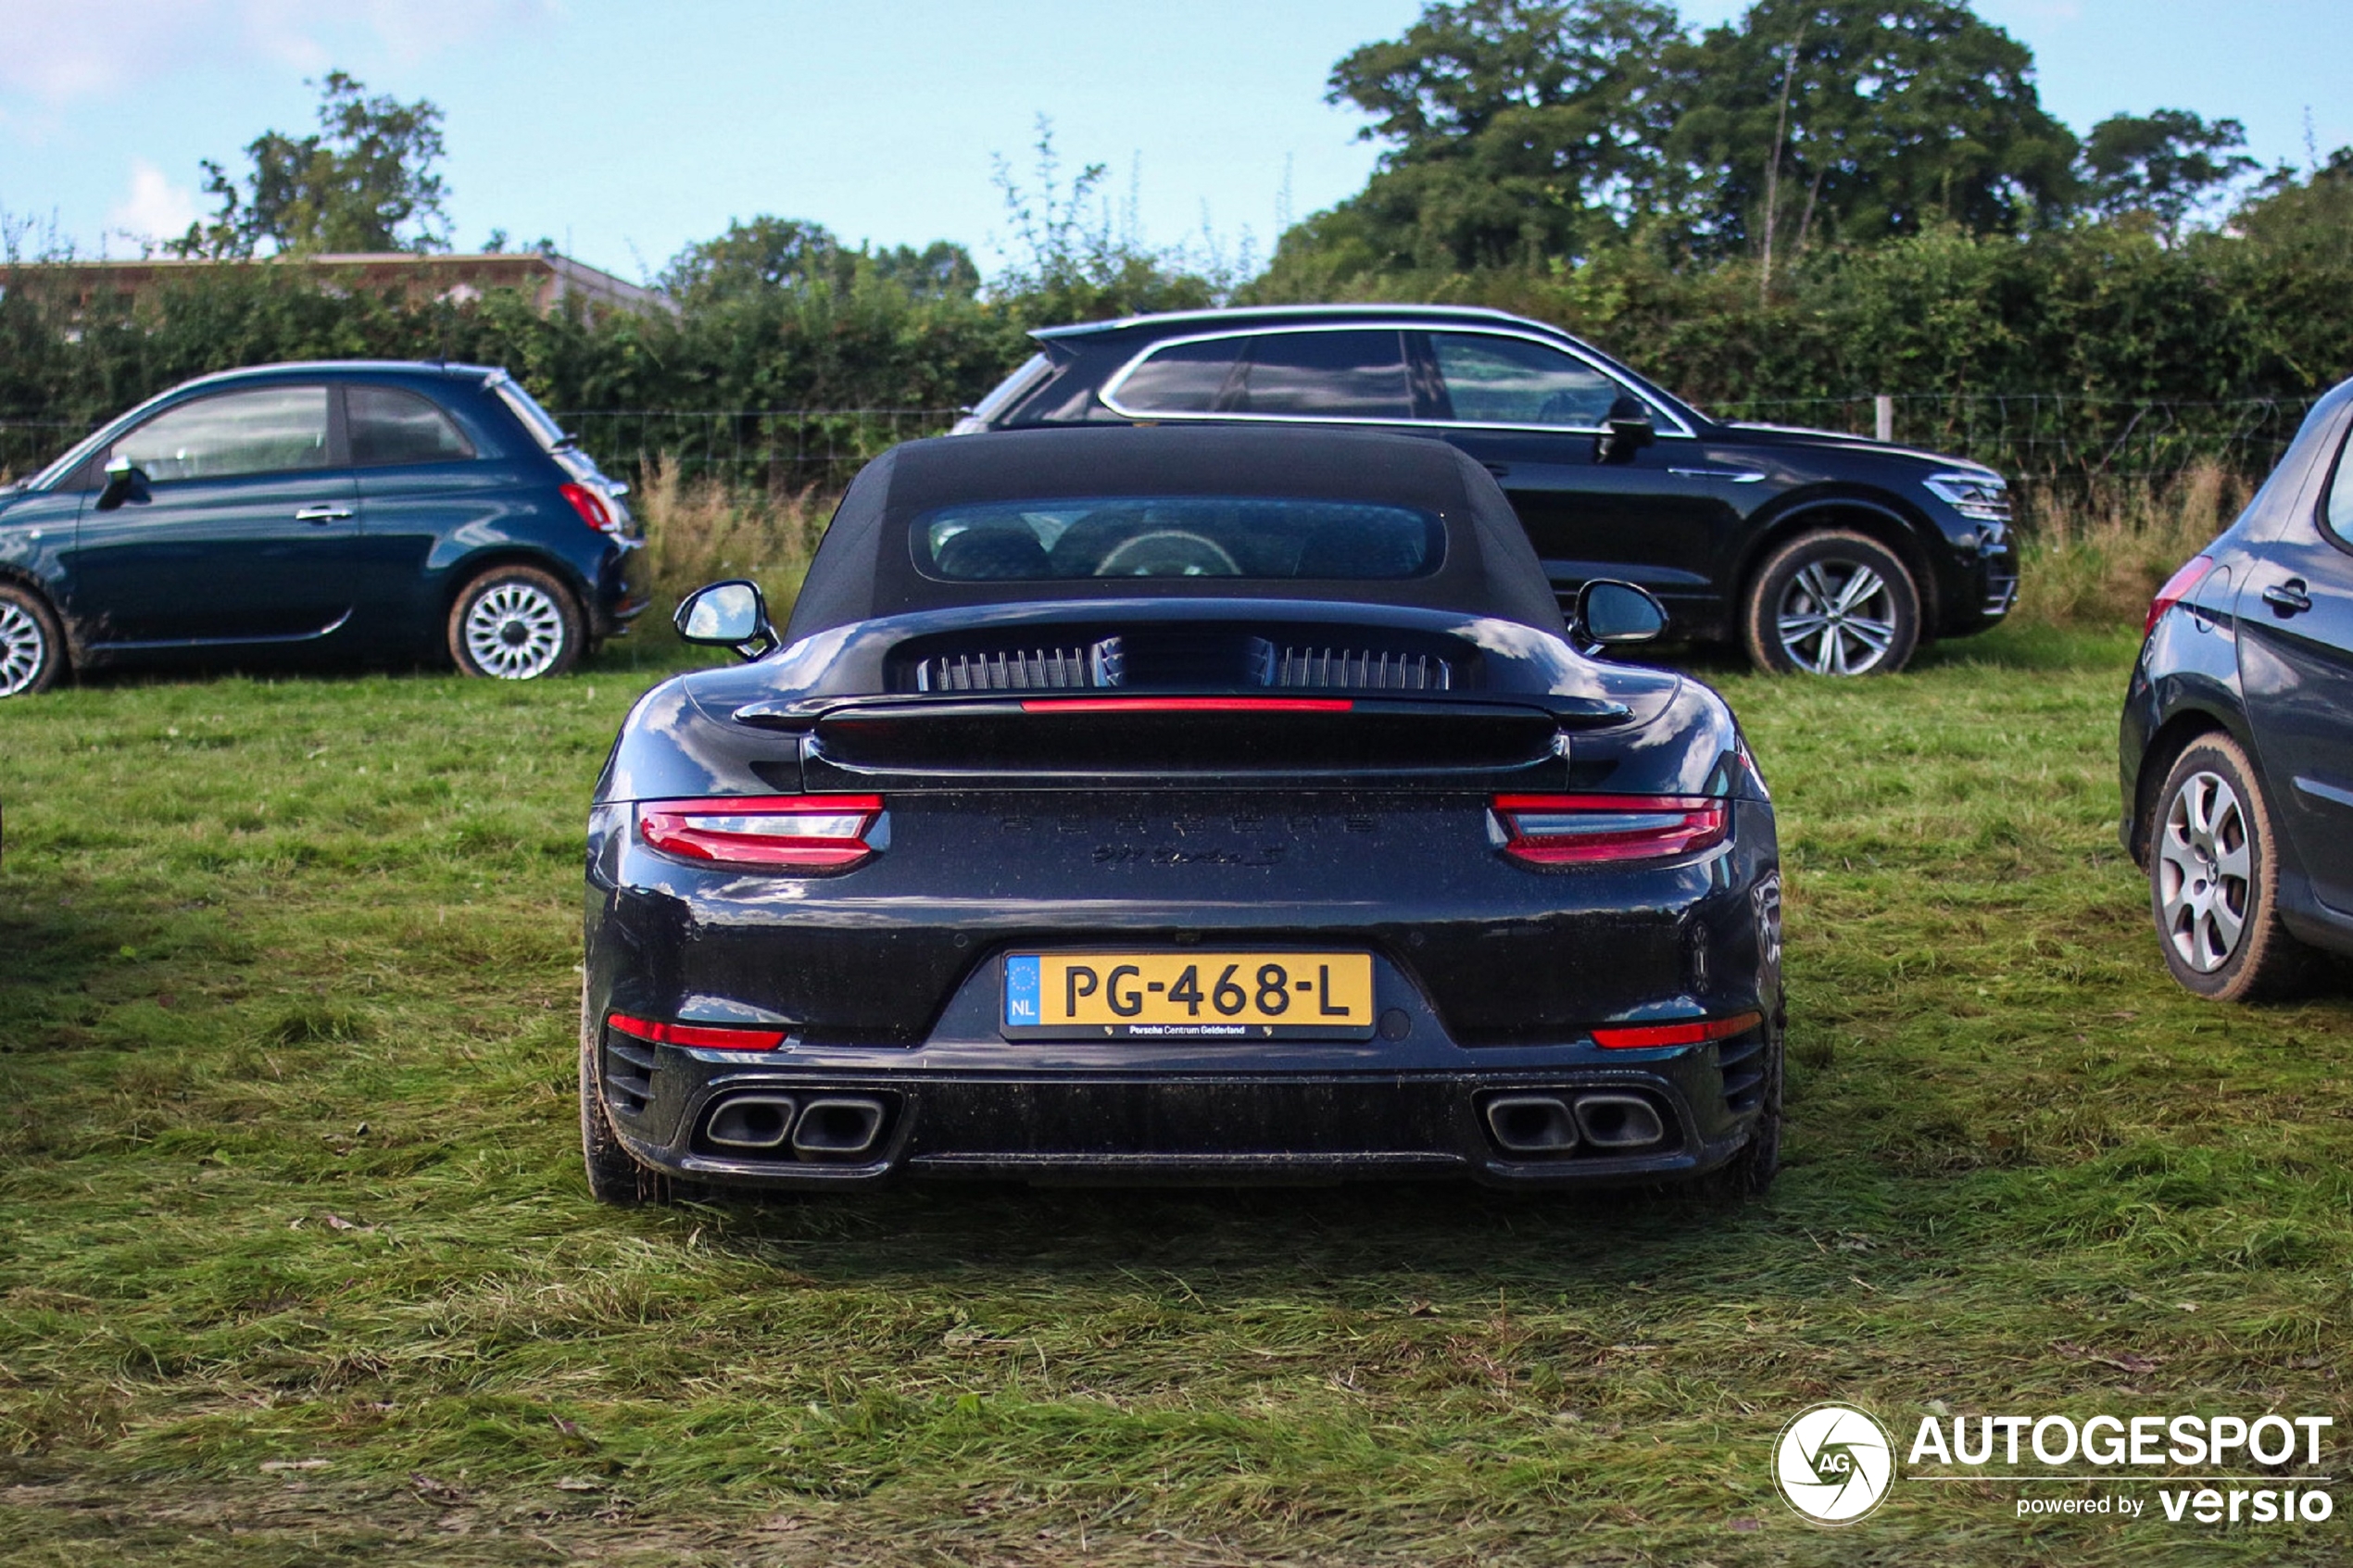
1698	1031
591	507
2177	588
708	1036
1187	704
1565	829
798	832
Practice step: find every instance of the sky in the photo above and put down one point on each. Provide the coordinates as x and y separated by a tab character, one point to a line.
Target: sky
625	132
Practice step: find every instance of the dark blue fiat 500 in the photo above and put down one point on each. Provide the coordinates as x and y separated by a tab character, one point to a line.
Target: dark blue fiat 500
361	509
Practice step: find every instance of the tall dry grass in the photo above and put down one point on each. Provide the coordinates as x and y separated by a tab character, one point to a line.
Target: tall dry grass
2092	555
700	529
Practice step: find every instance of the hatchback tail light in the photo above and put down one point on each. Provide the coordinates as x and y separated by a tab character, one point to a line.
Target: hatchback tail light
795	832
706	1035
2177	588
591	507
1565	829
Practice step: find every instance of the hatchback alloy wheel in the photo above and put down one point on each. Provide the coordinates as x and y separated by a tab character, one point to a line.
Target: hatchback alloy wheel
515	632
31	650
2205	868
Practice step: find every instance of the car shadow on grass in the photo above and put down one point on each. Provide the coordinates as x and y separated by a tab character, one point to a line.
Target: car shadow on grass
1425	1238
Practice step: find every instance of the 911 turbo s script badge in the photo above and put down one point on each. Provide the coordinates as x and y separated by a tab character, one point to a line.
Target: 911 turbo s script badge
1189	996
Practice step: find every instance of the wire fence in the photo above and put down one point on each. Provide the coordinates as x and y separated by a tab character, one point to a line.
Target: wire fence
2041	438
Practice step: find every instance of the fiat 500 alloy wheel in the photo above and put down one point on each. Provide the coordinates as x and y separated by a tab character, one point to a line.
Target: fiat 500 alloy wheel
24	648
515	632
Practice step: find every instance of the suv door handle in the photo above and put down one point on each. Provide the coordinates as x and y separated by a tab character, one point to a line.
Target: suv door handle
2288	597
324	513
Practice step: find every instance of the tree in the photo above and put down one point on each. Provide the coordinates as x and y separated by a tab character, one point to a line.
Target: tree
2166	164
1520	130
790	253
1858	121
2310	218
365	181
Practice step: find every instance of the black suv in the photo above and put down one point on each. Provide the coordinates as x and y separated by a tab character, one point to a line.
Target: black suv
1814	551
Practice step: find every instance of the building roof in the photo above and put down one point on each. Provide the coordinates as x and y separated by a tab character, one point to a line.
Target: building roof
549	280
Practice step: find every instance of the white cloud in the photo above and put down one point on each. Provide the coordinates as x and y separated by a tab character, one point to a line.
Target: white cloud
53	54
155	209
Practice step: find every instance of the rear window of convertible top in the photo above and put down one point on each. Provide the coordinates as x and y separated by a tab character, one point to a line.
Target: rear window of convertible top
1176	536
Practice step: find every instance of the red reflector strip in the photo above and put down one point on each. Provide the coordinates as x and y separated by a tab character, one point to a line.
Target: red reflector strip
1561	830
1696	1032
811	833
708	1036
1187	705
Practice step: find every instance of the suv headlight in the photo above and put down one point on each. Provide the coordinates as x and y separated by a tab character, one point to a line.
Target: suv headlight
1982	497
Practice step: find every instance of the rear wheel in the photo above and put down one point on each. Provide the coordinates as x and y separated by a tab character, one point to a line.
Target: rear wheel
614	1174
33	647
1832	603
516	623
2214	869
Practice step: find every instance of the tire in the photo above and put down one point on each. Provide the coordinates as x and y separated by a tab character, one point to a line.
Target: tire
32	646
516	623
1871	623
2214	877
615	1176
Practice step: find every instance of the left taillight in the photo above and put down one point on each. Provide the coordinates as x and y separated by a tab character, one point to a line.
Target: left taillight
1570	830
794	833
592	507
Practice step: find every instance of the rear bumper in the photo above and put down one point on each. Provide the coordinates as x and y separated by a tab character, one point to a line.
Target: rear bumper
1035	1116
622	593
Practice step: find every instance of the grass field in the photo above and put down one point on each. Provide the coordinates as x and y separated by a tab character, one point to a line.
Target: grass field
296	1265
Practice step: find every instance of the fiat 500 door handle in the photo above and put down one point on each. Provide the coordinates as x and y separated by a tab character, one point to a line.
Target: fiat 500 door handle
322	514
2288	597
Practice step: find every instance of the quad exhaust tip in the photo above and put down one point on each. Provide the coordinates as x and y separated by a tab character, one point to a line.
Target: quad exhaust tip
837	1127
1619	1121
1531	1123
753	1122
827	1127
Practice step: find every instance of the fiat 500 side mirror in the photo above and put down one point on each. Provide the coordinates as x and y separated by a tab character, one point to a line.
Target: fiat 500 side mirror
125	481
733	614
1613	614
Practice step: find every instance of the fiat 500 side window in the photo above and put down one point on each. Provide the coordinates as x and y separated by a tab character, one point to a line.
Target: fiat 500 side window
270	430
390	426
1507	381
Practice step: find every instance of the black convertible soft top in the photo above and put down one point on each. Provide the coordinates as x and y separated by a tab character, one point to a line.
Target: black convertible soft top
865	566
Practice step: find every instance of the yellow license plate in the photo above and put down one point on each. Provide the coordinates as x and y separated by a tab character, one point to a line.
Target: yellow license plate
1189	996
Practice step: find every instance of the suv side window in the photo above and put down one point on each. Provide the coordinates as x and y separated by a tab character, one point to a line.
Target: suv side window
269	430
1508	381
1184	378
1348	375
391	426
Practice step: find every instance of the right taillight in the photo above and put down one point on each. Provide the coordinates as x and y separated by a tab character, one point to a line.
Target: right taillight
1567	830
591	507
2177	588
783	833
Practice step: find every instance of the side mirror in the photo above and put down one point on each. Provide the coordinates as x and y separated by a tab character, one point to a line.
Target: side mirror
729	615
1613	614
1628	431
125	481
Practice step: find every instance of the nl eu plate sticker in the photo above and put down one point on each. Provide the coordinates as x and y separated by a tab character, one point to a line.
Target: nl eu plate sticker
1020	992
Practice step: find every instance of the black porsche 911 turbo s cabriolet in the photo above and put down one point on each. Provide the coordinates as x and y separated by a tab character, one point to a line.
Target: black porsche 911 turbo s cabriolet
1141	804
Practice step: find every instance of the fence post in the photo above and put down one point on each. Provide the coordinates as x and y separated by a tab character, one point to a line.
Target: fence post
1883	418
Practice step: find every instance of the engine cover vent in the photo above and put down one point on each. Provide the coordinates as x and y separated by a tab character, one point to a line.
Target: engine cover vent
1380	670
1021	669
